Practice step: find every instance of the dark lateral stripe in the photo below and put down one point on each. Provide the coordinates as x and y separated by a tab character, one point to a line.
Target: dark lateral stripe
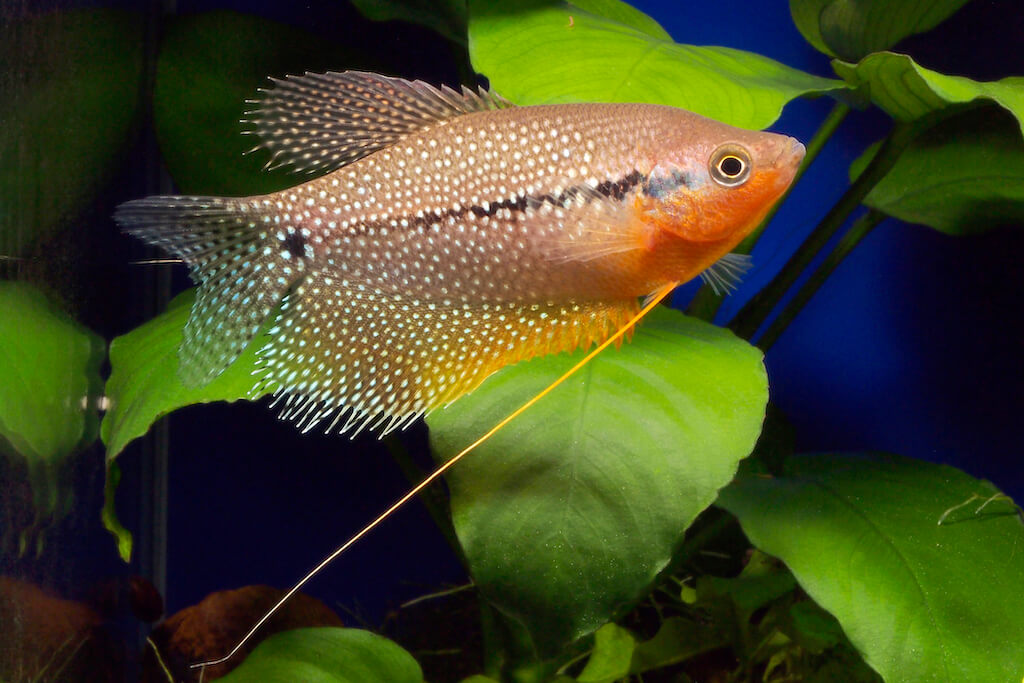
613	189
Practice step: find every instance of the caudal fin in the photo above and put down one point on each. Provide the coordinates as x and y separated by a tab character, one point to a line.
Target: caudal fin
241	268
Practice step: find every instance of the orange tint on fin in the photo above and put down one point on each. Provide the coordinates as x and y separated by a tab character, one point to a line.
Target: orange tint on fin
343	351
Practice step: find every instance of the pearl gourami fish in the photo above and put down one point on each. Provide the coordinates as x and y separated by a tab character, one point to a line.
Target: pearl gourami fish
449	234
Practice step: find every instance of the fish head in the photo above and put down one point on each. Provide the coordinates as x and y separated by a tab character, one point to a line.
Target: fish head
711	182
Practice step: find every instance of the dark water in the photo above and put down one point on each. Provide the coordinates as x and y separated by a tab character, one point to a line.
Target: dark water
893	354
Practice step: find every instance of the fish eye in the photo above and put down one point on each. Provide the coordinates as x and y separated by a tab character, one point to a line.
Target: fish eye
730	165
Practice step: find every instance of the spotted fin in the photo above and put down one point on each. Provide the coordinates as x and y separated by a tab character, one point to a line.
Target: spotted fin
356	359
241	280
317	123
725	274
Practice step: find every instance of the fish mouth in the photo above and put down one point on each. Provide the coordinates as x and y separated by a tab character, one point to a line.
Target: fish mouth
791	154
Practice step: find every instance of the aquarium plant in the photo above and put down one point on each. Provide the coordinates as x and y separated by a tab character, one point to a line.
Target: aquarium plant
649	522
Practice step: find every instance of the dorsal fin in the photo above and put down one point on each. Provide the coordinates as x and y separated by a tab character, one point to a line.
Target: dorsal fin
317	123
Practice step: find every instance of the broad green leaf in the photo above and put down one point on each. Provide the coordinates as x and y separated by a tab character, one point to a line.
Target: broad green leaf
625	14
50	370
49	390
908	91
447	17
963	176
851	29
327	655
69	99
568	514
209	65
546	51
921	601
144	385
612	656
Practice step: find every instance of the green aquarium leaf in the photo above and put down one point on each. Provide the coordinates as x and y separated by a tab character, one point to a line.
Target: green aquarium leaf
758	584
327	655
144	385
921	601
568	514
612	656
79	74
907	91
547	51
447	17
851	29
677	640
209	65
50	367
963	176
49	394
813	628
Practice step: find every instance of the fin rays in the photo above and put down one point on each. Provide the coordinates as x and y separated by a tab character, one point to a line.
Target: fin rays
220	240
317	123
725	274
368	360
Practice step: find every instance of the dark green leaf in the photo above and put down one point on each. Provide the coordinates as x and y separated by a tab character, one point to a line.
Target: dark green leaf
908	91
568	514
813	628
611	657
962	176
761	582
541	51
851	29
677	640
209	65
327	655
447	17
67	113
920	600
144	384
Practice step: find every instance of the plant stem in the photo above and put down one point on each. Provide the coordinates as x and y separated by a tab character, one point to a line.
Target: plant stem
435	502
754	313
706	303
860	229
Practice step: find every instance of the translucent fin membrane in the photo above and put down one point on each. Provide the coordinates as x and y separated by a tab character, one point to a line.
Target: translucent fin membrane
241	279
725	274
317	123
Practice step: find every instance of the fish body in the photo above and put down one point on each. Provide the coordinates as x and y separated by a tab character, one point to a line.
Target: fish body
449	235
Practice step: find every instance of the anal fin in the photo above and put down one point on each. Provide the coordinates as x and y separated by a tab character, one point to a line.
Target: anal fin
379	360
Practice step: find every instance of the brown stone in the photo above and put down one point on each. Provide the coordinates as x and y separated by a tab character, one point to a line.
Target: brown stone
210	629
